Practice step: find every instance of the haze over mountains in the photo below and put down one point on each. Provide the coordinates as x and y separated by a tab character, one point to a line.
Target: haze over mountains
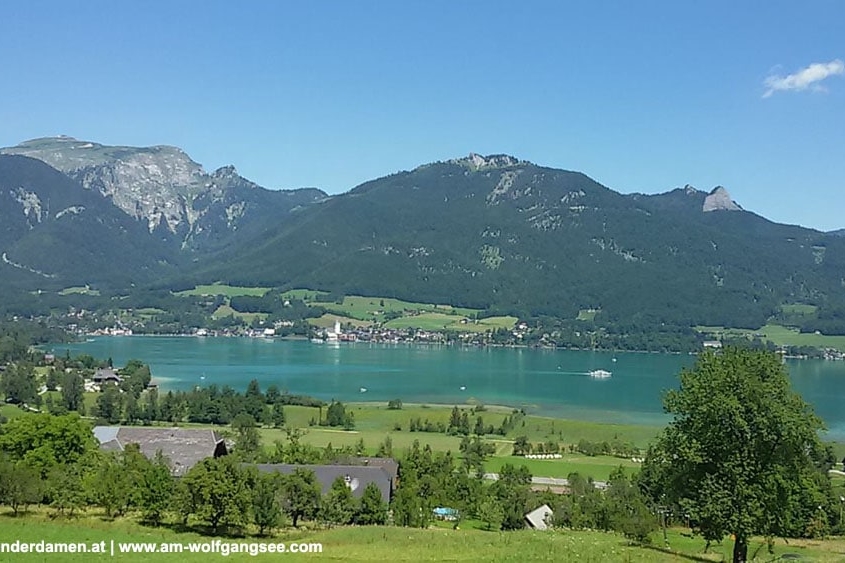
493	232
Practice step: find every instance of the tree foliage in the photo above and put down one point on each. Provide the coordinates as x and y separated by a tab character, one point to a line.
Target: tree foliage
742	455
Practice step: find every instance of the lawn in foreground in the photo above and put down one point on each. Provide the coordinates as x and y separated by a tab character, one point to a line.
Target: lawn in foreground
391	544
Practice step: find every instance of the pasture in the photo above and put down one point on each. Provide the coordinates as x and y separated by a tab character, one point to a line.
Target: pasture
224	290
779	335
375	308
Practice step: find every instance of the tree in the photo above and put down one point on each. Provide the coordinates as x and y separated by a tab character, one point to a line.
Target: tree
44	441
394	404
65	489
337	415
385	449
156	489
277	415
151	410
478	430
20	485
17	382
219	492
627	508
302	494
491	513
52	381
134	412
109	404
339	506
254	401
742	455
373	510
272	394
73	387
266	508
247	438
454	419
109	487
521	446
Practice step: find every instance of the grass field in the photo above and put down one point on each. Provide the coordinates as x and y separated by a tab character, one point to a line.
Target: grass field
587	314
225	311
372	308
225	290
443	321
598	467
374	422
798	309
79	290
385	543
11	411
779	335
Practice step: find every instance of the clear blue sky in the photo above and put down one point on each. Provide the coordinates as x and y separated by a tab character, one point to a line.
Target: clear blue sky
642	96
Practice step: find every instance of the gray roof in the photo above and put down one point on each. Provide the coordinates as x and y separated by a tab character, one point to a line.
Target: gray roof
183	447
105	374
357	476
537	517
390	465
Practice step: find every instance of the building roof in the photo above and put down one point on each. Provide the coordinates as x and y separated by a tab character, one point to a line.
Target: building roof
357	476
537	517
104	374
390	465
183	447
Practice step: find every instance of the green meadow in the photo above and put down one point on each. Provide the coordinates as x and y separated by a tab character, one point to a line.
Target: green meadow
443	321
226	310
225	290
386	543
779	335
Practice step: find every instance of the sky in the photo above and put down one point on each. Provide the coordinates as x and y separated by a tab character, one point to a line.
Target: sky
641	96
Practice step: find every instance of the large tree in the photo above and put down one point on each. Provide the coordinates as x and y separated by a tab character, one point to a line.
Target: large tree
742	455
44	441
18	383
219	491
302	494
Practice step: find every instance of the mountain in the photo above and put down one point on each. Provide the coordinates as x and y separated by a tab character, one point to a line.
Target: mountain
511	236
163	187
490	232
56	234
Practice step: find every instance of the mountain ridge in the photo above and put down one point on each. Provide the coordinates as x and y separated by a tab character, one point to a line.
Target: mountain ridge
494	232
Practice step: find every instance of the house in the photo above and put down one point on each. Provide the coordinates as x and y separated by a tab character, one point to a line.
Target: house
715	344
183	447
356	477
106	375
539	517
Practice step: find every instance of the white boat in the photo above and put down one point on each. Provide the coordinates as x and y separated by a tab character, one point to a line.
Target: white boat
599	374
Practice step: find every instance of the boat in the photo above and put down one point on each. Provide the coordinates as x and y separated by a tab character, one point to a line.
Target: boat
599	374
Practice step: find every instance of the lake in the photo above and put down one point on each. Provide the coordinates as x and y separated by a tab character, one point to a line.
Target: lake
549	382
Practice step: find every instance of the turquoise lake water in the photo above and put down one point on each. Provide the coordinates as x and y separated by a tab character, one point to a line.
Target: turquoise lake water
551	382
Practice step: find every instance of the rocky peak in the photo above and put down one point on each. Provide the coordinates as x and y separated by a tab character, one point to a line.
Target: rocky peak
155	184
719	200
225	172
479	162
